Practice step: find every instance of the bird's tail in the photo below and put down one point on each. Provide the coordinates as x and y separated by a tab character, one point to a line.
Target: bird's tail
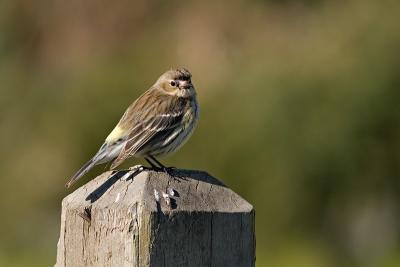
82	171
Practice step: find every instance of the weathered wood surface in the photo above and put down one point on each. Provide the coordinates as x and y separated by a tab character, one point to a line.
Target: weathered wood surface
116	222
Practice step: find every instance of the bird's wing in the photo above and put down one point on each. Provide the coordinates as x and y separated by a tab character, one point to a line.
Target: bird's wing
159	126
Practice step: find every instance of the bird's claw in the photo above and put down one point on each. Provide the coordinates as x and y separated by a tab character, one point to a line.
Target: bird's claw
136	168
132	170
169	170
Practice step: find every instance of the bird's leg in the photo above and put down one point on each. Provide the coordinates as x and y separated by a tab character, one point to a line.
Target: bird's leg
158	163
152	164
164	168
169	170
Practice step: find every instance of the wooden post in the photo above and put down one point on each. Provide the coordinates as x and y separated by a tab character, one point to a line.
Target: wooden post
152	219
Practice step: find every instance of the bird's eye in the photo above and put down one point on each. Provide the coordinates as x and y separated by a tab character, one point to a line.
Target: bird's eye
173	83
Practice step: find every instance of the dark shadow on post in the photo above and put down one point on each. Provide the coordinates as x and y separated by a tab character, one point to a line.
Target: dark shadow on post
196	175
177	173
96	194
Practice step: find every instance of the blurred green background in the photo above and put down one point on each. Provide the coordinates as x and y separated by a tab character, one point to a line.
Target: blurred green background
299	114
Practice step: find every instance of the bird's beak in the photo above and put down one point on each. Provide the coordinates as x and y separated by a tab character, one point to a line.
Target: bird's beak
185	84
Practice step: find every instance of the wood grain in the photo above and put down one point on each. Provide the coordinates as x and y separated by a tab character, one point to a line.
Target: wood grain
119	222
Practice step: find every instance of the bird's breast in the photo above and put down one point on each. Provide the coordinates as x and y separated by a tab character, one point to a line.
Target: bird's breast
191	114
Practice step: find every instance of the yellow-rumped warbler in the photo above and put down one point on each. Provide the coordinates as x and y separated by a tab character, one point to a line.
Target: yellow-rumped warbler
156	124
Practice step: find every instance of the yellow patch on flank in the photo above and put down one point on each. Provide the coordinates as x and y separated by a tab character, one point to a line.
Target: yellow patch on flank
116	133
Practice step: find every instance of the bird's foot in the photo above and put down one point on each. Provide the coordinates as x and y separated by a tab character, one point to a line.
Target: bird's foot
133	170
168	170
138	168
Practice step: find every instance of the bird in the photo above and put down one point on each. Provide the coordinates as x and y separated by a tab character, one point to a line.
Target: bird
156	124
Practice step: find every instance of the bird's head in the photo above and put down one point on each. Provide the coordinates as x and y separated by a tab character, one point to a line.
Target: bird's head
176	82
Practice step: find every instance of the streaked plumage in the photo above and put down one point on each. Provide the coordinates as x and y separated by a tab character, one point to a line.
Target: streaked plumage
156	124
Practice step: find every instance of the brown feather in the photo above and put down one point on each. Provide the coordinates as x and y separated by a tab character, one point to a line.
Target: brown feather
152	113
